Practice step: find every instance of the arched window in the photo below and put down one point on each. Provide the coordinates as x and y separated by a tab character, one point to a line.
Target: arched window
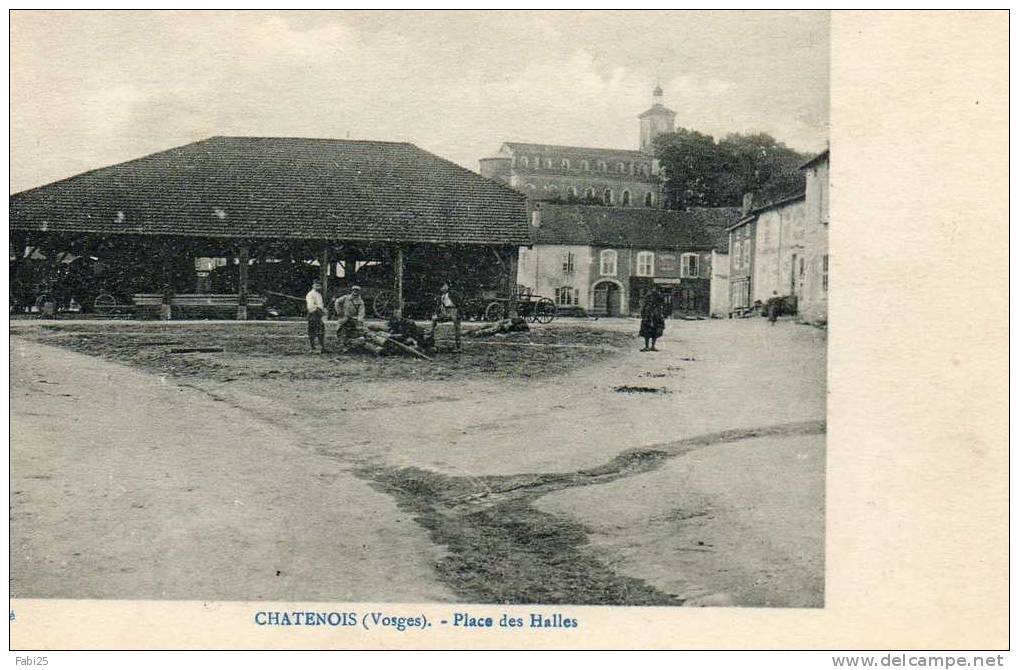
523	161
620	167
626	198
553	187
585	166
566	163
589	194
608	196
602	166
573	191
608	263
645	264
649	199
548	163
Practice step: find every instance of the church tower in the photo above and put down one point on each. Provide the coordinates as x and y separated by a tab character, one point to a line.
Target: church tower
655	121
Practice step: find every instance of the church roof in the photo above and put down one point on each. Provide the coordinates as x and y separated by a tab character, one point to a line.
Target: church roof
635	227
281	188
657	109
566	150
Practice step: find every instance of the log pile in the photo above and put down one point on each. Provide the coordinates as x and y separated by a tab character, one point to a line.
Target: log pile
515	324
384	343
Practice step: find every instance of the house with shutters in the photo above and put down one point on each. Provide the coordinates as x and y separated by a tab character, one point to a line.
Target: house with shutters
602	260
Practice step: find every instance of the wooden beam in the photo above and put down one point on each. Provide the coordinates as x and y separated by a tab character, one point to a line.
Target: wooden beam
325	258
398	272
242	283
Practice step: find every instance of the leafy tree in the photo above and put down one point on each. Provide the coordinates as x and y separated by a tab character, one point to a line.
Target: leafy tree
701	172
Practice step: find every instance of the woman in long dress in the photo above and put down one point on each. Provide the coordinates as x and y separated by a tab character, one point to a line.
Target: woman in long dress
652	318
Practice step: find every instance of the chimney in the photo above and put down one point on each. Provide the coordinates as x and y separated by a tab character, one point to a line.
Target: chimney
748	203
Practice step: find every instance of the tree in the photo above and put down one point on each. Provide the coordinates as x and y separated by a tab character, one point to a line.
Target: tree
692	166
701	172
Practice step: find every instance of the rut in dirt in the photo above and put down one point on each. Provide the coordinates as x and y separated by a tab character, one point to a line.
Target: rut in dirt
501	549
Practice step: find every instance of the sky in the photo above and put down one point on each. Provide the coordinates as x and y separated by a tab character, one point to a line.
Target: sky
90	89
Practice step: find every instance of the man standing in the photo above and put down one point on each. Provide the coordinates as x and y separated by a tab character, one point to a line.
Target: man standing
652	318
772	307
446	311
316	312
350	311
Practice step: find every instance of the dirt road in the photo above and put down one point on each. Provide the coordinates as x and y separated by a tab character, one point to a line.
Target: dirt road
124	485
694	475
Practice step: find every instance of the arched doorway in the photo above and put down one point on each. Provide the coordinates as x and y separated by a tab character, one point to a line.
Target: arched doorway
607	298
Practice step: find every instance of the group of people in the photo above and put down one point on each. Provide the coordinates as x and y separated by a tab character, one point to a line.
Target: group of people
350	313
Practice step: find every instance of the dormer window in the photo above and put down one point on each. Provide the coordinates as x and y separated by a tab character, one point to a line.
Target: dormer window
566	163
621	167
523	161
603	166
626	198
548	163
585	166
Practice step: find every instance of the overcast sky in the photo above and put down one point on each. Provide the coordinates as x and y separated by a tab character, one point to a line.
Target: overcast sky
93	88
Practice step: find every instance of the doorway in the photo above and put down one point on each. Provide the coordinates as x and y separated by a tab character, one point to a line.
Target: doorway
607	298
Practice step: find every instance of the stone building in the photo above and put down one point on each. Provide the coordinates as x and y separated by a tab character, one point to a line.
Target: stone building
813	295
782	248
616	177
603	259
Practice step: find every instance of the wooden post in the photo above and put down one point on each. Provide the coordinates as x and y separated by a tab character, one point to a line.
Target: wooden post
166	307
512	271
398	271
242	283
323	271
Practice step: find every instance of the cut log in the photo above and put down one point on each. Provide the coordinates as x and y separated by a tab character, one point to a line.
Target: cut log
515	324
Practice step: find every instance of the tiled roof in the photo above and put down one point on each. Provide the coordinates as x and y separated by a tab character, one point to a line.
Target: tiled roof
633	226
275	187
781	202
563	150
816	159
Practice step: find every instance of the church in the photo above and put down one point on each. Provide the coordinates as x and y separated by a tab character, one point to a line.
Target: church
583	175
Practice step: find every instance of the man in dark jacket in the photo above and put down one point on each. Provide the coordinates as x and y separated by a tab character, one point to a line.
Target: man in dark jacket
446	311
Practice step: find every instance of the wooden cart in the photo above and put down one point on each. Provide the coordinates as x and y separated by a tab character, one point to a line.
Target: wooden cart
534	308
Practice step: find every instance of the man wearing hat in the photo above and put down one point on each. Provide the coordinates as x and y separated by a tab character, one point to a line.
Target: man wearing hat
316	312
446	311
350	310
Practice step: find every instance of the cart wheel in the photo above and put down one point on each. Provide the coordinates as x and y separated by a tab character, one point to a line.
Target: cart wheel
494	311
544	311
382	304
104	303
